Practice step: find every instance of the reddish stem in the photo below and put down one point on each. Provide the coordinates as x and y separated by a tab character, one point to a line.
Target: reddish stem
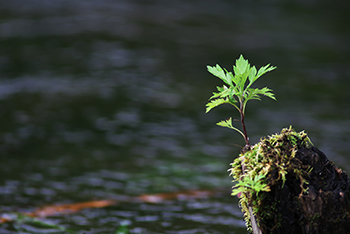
246	138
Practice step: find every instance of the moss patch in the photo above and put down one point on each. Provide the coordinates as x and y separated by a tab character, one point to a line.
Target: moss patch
266	165
291	186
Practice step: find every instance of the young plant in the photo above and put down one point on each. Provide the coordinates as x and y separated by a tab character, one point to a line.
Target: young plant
237	90
248	184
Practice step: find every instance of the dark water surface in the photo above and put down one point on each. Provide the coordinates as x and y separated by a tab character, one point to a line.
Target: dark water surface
105	99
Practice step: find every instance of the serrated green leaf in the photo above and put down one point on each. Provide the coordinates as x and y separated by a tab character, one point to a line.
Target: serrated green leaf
264	91
241	67
254	94
268	93
263	70
248	184
243	79
216	71
219	72
226	123
215	103
242	70
223	92
229	77
252	74
221	89
215	95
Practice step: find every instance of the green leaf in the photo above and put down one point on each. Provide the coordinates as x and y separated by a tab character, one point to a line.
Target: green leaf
267	92
242	70
248	184
219	72
270	95
263	70
215	103
228	124
223	92
254	93
215	95
229	77
252	75
241	67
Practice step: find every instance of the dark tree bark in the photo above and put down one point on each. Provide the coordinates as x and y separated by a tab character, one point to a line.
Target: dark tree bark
324	208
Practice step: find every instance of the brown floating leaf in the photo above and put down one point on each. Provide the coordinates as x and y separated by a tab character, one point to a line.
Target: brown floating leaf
151	198
182	195
69	208
4	220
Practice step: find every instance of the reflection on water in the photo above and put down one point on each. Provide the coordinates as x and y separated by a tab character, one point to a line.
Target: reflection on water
105	99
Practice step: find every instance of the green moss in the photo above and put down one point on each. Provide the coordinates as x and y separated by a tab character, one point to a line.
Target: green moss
265	165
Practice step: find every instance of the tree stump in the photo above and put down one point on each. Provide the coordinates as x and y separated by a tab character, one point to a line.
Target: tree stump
304	192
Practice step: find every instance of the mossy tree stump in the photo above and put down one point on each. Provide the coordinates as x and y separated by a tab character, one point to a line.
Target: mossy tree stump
292	187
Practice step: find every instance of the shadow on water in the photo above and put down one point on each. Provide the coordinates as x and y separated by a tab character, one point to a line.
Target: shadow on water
105	99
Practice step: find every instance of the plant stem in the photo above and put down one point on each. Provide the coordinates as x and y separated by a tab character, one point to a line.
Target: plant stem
255	227
246	138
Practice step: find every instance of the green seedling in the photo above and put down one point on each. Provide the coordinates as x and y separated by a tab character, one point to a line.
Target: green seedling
248	184
237	90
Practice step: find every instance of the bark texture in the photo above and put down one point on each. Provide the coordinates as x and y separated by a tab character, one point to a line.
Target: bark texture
323	208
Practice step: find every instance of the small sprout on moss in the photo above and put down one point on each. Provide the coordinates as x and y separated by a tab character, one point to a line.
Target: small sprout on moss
237	90
247	184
